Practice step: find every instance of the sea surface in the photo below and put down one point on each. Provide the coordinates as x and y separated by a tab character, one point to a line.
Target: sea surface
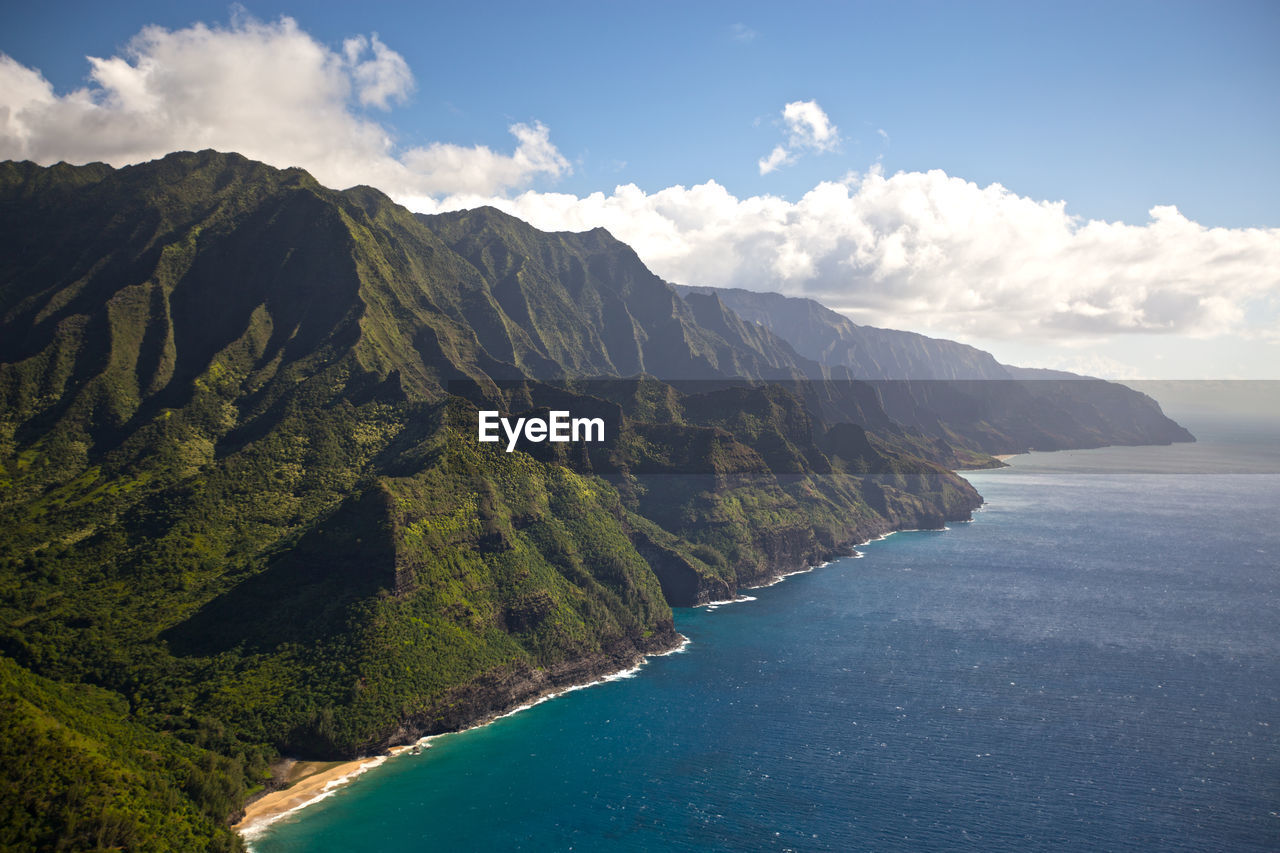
1092	664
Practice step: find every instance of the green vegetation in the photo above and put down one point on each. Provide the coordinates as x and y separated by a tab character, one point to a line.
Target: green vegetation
242	508
77	773
957	402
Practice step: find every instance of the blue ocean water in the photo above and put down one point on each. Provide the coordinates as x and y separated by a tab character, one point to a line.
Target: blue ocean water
1092	664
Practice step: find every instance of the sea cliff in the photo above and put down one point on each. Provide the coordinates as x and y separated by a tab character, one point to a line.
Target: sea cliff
244	509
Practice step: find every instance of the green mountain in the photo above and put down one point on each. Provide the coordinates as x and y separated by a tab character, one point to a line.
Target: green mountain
956	392
244	507
83	774
244	510
827	337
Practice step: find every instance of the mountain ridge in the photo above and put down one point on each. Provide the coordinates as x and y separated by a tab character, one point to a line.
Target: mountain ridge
957	392
829	337
241	492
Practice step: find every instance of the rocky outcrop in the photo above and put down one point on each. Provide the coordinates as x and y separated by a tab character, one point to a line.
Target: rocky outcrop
502	691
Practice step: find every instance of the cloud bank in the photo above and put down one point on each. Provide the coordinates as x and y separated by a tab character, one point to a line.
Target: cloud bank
266	90
918	250
928	250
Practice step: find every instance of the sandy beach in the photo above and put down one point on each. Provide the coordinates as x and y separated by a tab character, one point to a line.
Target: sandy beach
307	782
310	781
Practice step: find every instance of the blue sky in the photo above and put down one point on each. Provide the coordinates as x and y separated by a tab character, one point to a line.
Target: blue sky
1111	108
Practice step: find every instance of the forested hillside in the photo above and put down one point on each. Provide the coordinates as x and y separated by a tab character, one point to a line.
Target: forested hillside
244	513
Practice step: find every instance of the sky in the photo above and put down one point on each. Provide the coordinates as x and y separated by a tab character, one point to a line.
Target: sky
1087	186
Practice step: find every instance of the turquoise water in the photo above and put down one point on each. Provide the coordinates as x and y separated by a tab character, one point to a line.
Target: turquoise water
1092	664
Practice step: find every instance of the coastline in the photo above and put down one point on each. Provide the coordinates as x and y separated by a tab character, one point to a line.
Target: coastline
1002	461
979	770
306	790
322	779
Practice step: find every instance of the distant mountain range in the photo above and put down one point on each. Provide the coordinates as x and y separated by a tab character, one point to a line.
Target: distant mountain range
820	334
244	511
955	391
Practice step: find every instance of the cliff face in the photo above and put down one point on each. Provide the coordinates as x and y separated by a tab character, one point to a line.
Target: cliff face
954	392
827	337
241	491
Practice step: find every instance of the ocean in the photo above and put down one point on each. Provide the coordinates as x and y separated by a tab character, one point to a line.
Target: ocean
1092	664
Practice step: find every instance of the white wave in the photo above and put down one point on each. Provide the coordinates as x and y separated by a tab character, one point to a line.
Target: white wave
712	605
886	535
684	645
257	827
621	674
780	578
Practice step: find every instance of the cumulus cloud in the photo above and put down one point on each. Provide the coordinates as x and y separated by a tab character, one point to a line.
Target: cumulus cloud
383	78
926	250
808	128
920	250
779	156
267	90
447	168
1086	364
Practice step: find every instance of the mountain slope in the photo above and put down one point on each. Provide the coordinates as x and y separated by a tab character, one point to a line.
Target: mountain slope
830	338
240	487
953	391
587	306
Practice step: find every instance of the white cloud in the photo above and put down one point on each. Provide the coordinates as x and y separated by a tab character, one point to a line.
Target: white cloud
267	90
1086	364
383	78
742	33
928	251
920	250
808	129
777	157
446	168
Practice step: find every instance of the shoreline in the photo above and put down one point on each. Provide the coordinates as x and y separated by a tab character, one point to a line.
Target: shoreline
1002	458
853	554
307	789
324	781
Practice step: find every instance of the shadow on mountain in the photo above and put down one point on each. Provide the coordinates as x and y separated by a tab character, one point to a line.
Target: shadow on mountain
305	594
